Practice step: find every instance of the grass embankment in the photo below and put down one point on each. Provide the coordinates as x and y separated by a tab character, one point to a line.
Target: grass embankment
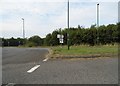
85	51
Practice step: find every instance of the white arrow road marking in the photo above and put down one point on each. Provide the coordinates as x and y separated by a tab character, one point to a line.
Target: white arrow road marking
45	59
33	69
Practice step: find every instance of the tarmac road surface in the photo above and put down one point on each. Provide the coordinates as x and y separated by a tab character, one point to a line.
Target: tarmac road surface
28	66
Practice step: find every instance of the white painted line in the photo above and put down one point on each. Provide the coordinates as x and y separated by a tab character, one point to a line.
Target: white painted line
10	84
45	59
33	69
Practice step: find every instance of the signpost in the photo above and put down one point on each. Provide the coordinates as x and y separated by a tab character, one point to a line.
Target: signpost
60	38
8	43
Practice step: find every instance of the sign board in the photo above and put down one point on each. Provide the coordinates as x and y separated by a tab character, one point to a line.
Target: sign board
58	36
61	36
61	41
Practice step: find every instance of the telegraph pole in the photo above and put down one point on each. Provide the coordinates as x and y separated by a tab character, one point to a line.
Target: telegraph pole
68	28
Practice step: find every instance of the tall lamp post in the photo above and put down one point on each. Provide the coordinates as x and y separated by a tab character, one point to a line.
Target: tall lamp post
97	23
68	28
23	29
23	32
97	15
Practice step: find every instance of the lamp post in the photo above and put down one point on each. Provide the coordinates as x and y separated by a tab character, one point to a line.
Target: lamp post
97	15
23	29
97	23
68	28
23	32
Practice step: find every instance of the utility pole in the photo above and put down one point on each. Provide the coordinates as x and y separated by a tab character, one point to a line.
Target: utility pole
68	28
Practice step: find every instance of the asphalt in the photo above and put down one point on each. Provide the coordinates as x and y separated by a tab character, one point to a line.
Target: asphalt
17	61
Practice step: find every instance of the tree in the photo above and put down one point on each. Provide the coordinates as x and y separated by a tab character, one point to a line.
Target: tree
47	40
54	39
106	34
36	40
93	26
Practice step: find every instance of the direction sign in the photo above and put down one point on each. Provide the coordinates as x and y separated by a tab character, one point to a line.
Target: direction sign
61	41
61	36
58	36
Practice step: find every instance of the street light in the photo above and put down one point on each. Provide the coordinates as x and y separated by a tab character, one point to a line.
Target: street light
68	27
97	15
97	22
23	32
23	29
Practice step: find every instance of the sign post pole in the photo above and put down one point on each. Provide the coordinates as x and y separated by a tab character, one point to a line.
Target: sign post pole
68	28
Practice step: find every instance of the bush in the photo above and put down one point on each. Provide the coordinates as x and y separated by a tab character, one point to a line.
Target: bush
30	44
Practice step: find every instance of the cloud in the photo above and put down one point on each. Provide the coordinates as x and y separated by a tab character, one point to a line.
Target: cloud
42	18
11	28
38	1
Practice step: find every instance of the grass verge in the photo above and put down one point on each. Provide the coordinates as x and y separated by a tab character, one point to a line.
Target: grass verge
85	51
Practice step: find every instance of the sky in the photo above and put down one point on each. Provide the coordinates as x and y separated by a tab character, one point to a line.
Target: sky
44	16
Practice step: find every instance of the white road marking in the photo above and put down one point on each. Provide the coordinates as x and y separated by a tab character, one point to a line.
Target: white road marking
33	69
10	84
45	59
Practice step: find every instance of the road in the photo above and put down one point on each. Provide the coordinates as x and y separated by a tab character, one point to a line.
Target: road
18	61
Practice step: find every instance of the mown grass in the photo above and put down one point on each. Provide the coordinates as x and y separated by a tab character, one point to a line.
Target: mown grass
85	50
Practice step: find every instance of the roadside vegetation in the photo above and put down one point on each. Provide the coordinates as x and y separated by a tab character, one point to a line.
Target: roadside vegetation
92	36
89	42
85	51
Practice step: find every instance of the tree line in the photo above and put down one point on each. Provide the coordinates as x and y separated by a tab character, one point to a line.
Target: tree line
101	35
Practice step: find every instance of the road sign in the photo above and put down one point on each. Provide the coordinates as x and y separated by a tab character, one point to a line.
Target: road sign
61	41
61	36
58	36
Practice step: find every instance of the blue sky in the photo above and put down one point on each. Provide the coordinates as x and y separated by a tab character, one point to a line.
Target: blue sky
44	16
